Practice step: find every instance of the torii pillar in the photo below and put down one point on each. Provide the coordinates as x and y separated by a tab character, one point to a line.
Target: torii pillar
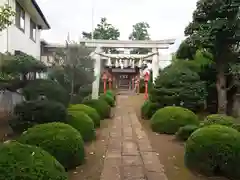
97	73
155	64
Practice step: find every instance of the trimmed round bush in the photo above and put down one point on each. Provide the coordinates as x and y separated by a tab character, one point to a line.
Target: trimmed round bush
30	113
91	112
218	119
184	132
214	150
148	109
25	162
111	93
236	126
61	140
101	107
109	99
169	119
83	123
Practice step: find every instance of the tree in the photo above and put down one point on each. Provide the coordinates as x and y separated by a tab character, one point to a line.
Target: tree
104	30
6	13
140	32
17	71
72	68
215	27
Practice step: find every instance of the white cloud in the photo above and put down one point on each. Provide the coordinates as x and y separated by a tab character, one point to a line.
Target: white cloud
166	18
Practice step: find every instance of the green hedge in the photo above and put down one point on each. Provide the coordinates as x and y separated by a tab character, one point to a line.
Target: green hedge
101	107
43	87
61	140
148	109
83	123
184	132
218	119
109	99
24	162
111	93
214	150
169	119
91	112
30	113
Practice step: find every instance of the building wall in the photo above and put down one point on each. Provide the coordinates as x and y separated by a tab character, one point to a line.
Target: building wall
13	38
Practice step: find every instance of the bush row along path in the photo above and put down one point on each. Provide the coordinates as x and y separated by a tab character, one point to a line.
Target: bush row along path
129	154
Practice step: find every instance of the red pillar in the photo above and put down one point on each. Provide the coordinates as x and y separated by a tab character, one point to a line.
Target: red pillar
146	79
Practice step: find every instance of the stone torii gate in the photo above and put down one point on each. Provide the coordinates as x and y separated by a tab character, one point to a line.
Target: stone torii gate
98	54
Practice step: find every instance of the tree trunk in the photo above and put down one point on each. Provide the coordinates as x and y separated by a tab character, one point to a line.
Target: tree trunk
221	88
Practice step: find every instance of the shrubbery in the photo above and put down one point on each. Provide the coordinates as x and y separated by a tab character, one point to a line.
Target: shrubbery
91	112
111	93
24	162
83	123
148	109
214	150
60	140
184	132
30	113
48	88
109	99
218	119
179	86
101	107
169	119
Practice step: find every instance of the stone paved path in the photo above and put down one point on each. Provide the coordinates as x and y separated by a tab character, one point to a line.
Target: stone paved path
129	153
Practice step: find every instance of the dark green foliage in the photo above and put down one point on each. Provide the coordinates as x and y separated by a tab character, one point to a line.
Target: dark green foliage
214	150
101	107
178	85
91	112
236	126
184	132
83	123
111	93
60	140
169	119
104	30
215	28
48	88
30	113
218	119
109	99
18	70
140	32
24	162
148	109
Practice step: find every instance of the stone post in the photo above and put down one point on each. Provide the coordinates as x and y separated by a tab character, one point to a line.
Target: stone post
97	73
155	64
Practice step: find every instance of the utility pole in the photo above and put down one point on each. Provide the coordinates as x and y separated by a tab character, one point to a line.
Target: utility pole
93	8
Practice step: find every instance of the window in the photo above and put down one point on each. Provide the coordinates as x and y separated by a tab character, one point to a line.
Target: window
20	17
33	27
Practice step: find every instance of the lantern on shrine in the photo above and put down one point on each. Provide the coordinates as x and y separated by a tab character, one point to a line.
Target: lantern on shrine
104	78
146	79
110	83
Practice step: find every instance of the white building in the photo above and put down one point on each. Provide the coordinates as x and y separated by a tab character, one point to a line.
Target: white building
24	34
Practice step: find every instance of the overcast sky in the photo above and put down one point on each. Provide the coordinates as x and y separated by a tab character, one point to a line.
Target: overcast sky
167	18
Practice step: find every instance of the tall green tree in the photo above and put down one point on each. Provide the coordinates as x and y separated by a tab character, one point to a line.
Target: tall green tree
72	68
215	27
6	13
106	31
140	32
